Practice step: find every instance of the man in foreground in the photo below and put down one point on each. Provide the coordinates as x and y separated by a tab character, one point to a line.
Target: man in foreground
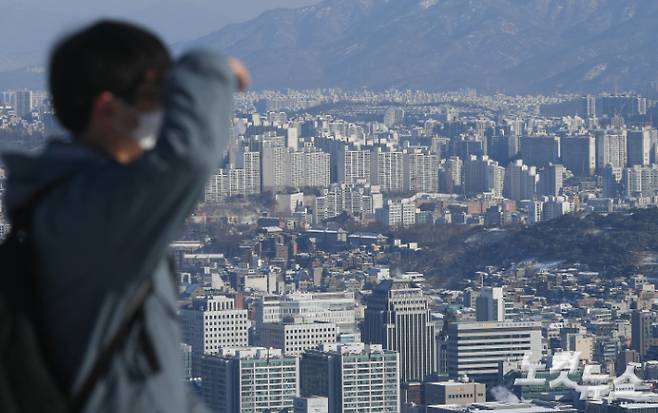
146	133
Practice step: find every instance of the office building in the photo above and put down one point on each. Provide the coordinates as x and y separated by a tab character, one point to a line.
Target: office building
328	307
477	348
250	380
454	392
294	338
211	323
397	316
579	154
354	377
641	336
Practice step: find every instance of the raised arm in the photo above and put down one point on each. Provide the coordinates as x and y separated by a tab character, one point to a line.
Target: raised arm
121	218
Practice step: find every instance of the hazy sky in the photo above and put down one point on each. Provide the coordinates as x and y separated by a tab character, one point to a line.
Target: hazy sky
29	27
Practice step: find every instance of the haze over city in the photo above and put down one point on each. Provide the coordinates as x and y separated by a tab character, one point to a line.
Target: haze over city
404	206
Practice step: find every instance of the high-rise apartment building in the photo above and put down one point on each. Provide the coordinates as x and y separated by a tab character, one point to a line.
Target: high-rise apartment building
482	174
622	105
521	181
397	214
274	167
308	168
502	148
242	178
23	102
640	181
421	171
354	200
388	170
451	174
250	380
554	207
282	167
638	147
354	167
397	316
610	149
589	106
579	154
393	116
540	150
354	377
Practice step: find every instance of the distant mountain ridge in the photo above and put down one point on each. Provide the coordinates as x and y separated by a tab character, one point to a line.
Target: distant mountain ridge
514	46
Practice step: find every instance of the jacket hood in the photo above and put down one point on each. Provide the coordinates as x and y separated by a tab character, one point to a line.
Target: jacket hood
29	173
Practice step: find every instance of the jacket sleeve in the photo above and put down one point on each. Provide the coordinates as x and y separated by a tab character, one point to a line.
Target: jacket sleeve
126	215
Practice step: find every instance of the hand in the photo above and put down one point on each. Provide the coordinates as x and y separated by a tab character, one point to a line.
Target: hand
241	73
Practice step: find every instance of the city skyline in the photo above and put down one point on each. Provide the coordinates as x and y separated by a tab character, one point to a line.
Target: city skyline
421	206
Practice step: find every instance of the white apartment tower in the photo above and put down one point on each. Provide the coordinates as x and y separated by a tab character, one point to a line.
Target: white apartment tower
611	149
388	170
421	171
520	181
355	168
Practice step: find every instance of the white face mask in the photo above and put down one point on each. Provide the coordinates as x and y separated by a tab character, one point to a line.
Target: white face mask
148	129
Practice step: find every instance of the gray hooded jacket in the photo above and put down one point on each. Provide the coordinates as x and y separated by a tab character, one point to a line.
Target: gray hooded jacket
106	227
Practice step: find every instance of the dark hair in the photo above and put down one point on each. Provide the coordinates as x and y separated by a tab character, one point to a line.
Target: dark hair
106	56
